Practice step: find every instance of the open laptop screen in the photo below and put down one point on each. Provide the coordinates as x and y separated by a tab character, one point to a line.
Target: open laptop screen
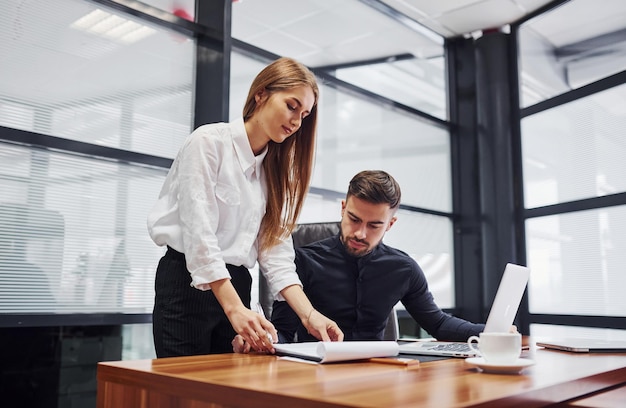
508	298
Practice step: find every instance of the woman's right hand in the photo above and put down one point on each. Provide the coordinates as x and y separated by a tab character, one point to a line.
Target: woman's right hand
258	332
255	329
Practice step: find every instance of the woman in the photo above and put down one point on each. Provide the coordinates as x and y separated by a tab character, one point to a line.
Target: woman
232	197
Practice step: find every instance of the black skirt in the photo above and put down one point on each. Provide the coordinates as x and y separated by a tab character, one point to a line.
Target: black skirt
187	321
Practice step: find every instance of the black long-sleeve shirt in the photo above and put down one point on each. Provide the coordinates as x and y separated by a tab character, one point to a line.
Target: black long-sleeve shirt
359	292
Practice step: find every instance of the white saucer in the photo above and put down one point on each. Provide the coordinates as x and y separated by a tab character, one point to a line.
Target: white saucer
513	368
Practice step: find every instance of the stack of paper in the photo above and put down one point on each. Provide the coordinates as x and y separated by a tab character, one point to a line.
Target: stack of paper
327	352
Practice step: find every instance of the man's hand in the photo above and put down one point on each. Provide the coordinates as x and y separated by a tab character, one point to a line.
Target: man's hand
321	327
240	345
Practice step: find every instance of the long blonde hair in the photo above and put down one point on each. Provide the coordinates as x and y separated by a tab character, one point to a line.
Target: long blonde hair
288	165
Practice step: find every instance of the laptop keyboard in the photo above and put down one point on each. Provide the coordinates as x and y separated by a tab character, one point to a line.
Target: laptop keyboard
454	347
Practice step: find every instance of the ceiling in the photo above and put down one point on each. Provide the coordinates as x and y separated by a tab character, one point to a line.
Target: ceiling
316	22
451	18
360	29
320	33
575	43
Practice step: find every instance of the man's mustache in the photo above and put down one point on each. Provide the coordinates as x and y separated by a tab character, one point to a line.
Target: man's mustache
360	241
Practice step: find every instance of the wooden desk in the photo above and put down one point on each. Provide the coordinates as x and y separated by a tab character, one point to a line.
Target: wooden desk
235	380
614	398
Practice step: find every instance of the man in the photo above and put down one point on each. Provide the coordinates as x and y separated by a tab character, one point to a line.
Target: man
355	279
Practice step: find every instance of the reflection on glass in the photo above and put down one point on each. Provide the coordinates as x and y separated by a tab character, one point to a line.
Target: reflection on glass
82	71
571	46
243	70
418	83
322	208
137	342
577	262
576	150
73	235
356	134
181	8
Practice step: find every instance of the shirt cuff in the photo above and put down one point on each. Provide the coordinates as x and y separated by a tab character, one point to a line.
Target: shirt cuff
202	278
286	279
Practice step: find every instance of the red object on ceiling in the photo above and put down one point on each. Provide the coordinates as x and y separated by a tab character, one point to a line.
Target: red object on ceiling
179	12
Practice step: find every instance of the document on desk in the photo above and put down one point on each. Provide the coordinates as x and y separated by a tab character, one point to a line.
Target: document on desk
328	352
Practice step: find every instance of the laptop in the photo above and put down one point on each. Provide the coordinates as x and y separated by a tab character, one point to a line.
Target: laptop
501	316
585	345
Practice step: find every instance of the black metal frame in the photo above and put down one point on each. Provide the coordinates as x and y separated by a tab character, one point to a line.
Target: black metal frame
578	93
461	77
23	137
72	319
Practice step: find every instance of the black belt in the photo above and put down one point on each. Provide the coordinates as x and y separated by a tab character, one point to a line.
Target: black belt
174	254
171	252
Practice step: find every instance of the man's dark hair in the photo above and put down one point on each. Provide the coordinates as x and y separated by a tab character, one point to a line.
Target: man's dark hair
376	187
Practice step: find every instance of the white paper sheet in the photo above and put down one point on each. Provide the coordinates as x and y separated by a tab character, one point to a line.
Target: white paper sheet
328	352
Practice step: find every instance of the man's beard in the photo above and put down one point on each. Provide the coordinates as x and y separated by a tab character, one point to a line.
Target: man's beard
355	252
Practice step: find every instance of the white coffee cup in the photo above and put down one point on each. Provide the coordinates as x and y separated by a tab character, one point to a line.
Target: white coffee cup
497	348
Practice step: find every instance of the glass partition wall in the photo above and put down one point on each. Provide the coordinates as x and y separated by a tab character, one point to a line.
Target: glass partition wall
103	96
95	101
573	95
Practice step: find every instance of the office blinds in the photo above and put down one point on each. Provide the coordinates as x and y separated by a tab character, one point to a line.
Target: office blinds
73	233
574	152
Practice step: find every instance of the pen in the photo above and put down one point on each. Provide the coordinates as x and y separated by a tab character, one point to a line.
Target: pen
259	309
404	362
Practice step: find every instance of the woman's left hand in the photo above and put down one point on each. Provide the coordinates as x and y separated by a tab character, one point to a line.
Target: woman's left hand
322	328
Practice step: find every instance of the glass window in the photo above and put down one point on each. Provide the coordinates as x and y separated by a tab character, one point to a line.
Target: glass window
322	208
555	57
181	8
73	233
418	83
431	246
356	134
243	70
577	262
137	342
81	71
575	151
368	49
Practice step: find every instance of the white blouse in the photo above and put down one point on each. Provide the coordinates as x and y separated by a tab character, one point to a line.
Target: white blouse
211	206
